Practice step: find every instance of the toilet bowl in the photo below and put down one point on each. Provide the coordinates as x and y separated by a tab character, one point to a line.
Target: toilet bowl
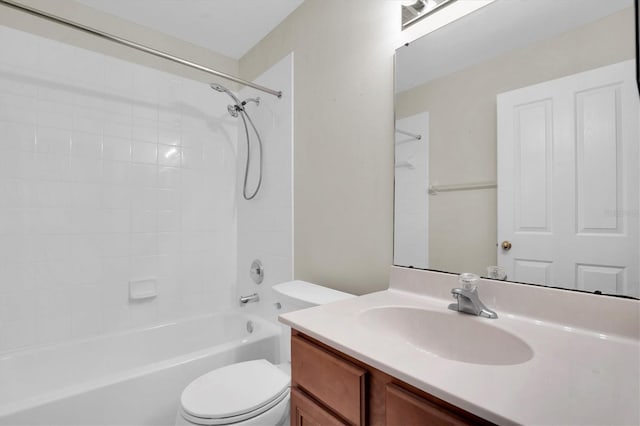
252	392
245	393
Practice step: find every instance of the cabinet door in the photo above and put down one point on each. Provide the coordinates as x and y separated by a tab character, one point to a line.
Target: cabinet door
305	412
403	408
333	381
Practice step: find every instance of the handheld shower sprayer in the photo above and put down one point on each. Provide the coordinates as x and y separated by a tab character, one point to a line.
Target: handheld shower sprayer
235	110
220	88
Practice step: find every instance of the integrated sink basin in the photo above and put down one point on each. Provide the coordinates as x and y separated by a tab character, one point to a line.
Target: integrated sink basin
450	335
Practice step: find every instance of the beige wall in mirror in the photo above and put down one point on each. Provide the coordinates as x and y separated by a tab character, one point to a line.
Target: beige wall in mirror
462	108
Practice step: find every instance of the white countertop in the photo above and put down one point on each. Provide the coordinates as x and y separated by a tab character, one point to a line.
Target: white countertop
575	377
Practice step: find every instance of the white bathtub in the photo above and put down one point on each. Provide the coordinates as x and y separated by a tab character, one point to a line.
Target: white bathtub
130	378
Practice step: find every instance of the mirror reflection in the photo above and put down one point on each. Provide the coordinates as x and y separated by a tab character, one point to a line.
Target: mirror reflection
517	146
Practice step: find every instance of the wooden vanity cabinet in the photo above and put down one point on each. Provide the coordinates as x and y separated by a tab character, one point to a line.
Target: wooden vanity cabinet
308	412
331	388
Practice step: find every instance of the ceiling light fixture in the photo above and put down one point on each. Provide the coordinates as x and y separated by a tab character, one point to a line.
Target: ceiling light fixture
420	9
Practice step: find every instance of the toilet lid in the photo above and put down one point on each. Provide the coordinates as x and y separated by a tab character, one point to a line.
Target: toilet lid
234	390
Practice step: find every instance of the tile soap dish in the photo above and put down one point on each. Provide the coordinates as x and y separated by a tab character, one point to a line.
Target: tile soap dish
143	289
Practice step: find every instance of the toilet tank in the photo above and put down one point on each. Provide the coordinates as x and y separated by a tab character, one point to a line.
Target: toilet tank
295	295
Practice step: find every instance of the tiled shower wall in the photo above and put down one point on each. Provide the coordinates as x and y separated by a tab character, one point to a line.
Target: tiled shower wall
109	172
265	224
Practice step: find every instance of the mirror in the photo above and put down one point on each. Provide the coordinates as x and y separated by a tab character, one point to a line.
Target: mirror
517	130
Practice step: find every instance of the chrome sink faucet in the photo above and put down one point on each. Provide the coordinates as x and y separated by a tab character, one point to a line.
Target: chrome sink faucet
468	300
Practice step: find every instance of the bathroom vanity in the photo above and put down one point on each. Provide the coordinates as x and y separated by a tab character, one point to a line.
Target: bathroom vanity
401	357
329	386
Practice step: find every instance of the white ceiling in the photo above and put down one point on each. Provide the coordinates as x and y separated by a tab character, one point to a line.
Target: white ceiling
229	27
495	29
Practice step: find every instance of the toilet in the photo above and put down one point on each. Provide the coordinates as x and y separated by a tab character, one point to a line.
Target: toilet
252	392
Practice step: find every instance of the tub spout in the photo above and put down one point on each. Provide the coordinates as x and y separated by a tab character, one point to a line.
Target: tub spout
252	298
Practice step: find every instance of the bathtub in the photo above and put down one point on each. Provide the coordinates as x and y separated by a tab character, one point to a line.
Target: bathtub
128	378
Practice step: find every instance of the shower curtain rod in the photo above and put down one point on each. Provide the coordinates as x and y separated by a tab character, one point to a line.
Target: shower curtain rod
128	43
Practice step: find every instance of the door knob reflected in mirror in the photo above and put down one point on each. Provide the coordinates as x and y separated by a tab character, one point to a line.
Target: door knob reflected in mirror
506	245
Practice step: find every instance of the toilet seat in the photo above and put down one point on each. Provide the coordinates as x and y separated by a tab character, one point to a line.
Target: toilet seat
234	393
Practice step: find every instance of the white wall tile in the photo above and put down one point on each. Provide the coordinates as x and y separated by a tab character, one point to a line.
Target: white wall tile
17	334
55	93
18	306
116	318
14	83
92	193
84	170
88	100
169	155
54	114
145	111
51	329
144	244
20	109
192	158
118	77
113	126
47	166
116	196
145	130
169	303
85	323
50	140
114	245
85	195
12	221
169	135
144	152
116	149
143	176
87	120
115	173
52	301
170	116
116	221
168	199
169	178
144	267
169	244
117	272
86	145
18	136
144	313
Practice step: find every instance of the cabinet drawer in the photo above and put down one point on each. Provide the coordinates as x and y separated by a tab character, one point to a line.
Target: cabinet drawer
333	381
407	409
305	412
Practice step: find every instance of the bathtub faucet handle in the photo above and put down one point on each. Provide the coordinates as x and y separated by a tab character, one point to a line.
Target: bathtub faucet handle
252	298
